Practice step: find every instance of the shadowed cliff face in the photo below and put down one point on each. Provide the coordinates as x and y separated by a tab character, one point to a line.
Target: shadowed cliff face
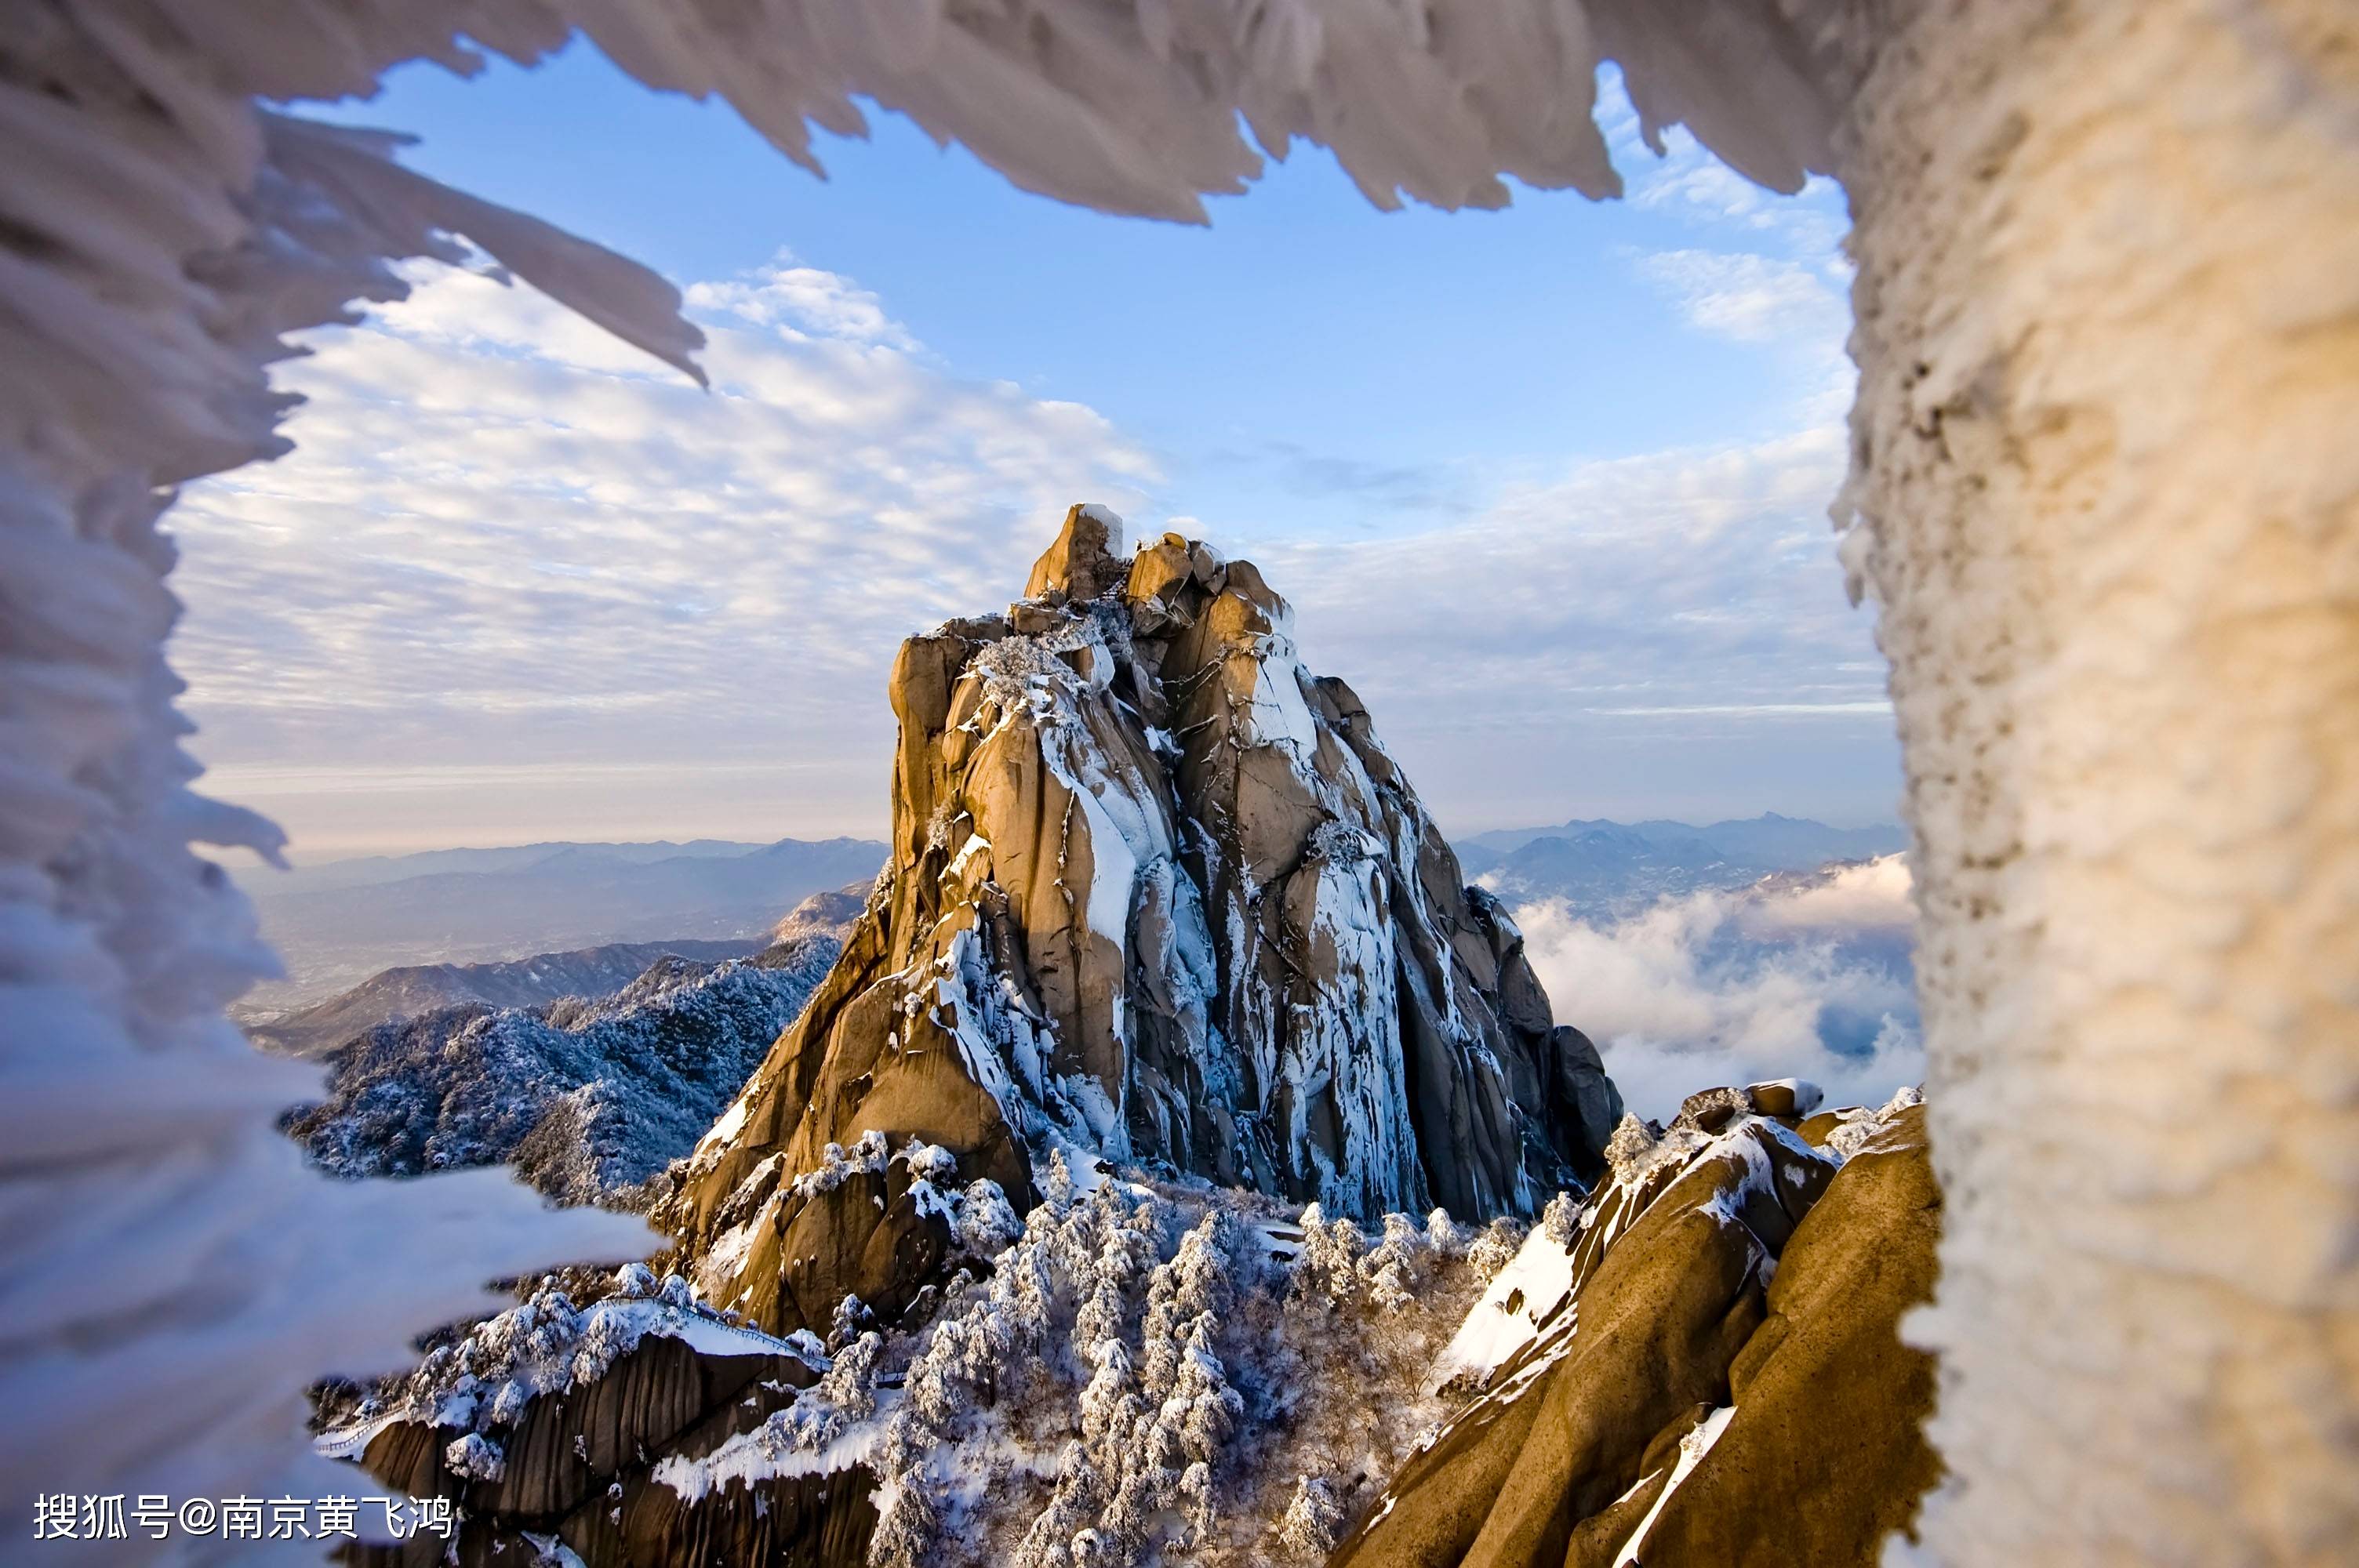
1157	893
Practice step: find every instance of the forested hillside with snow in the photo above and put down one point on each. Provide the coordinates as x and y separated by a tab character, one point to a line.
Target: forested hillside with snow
588	1097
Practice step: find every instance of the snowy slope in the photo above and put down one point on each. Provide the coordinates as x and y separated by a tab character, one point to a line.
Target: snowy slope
393	995
588	1097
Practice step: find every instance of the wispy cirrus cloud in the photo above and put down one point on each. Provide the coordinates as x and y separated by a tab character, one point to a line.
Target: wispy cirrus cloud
1760	268
1751	298
1674	616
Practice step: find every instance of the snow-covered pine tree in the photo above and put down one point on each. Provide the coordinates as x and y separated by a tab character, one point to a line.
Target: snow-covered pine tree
1313	1522
1393	1271
1495	1248
1561	1219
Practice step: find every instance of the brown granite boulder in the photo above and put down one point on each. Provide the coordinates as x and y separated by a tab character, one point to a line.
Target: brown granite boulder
1086	561
1671	1273
576	1461
1824	1457
1726	1374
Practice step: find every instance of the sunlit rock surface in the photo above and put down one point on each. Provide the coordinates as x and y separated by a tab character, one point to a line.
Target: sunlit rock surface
1707	1371
1158	894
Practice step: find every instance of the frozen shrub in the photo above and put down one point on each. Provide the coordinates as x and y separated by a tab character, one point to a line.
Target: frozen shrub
852	1316
849	1384
476	1457
1328	1266
838	1164
1633	1141
1021	674
1313	1522
1390	1270
1445	1236
1196	1500
1109	1407
1056	1189
907	1528
1561	1220
986	1225
1495	1248
1192	1286
508	1402
928	1162
1338	842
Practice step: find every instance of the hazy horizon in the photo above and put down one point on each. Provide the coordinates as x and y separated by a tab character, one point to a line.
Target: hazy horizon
301	855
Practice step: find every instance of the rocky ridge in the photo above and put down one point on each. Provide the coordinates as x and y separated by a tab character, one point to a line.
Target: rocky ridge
411	991
1709	1373
588	1097
829	914
1155	893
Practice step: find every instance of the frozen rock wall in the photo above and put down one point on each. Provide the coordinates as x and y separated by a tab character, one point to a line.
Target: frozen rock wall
1155	893
2107	501
171	1278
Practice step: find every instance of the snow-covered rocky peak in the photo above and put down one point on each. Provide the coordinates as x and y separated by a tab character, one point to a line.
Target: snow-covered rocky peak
1155	894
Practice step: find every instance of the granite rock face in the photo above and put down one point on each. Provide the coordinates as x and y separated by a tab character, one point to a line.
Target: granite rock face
1710	1373
552	1423
1157	893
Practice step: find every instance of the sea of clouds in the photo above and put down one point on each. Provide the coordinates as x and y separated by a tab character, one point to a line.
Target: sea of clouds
1802	977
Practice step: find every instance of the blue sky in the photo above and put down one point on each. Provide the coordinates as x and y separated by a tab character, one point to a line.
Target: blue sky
1548	484
1381	340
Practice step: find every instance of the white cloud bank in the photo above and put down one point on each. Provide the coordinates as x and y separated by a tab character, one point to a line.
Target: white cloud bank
1810	982
508	544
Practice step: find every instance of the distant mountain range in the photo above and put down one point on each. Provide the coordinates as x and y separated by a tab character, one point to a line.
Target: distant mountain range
369	871
337	924
1611	867
588	1097
408	990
